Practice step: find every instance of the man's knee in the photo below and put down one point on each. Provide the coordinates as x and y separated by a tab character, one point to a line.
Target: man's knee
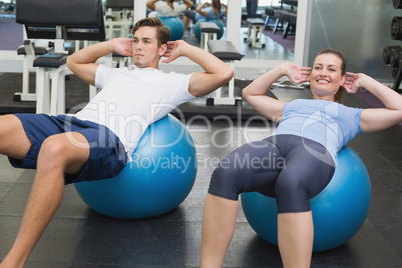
60	151
14	142
53	151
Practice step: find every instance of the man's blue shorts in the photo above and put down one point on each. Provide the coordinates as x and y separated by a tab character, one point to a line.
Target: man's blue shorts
107	156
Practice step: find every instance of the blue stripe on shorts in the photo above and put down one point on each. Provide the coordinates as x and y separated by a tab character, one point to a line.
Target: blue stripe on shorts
107	155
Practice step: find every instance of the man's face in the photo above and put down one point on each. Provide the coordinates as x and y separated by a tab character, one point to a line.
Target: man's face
146	52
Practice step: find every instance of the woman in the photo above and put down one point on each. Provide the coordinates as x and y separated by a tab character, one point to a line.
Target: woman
213	10
168	8
309	135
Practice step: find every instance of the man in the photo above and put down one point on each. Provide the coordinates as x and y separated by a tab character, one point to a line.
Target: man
97	142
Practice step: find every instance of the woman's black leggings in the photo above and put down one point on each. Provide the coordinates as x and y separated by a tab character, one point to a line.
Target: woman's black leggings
290	168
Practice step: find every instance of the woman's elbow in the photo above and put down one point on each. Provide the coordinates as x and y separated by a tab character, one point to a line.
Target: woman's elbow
399	117
245	94
151	7
228	75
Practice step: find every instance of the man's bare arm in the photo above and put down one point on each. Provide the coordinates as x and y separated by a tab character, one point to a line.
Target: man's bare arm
83	63
217	73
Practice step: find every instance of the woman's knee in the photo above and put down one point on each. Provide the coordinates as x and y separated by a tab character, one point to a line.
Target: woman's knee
294	185
248	168
292	193
224	183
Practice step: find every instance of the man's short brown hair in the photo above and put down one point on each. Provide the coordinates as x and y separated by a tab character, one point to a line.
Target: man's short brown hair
162	32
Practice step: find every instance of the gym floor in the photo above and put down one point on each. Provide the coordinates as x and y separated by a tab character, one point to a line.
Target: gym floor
79	237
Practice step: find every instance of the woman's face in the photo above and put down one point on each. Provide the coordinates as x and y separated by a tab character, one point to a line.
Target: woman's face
326	76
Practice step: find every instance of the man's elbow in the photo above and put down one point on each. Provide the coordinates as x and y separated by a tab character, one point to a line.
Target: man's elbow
244	94
69	62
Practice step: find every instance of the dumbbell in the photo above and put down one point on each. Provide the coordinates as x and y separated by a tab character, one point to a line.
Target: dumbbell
394	57
386	53
395	70
396	28
400	59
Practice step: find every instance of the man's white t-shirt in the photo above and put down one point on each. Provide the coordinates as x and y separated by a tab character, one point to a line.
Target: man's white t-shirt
133	98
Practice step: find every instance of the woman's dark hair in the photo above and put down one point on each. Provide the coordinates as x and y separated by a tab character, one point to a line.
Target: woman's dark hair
341	91
217	5
162	32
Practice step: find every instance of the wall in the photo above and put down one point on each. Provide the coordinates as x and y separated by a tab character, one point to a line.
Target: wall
359	28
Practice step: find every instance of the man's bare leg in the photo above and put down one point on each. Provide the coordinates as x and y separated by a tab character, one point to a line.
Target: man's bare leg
13	139
56	157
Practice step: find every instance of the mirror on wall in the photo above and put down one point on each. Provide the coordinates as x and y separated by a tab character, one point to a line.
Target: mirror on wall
255	61
276	46
367	28
278	30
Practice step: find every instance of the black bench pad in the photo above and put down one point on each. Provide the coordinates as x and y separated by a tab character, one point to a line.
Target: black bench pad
209	27
38	50
53	60
256	21
224	50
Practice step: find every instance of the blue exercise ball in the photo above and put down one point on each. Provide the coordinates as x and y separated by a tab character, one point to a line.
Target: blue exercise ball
339	210
157	180
175	26
197	30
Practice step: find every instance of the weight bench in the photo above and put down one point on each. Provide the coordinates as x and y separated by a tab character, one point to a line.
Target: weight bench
50	86
270	14
288	20
209	31
64	20
225	51
254	35
29	51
